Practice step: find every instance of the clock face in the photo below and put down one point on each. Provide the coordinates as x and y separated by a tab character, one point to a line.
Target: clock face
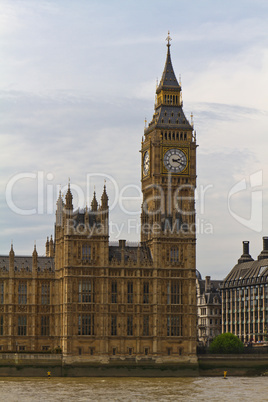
146	163
175	160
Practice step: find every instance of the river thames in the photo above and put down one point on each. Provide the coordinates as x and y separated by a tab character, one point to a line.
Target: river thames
134	389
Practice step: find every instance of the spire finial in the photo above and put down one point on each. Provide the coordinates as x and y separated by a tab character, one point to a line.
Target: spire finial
168	39
145	122
192	119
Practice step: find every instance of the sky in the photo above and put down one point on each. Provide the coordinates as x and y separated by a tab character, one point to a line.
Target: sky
78	80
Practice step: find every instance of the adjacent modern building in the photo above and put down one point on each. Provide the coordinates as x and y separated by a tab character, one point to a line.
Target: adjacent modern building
245	296
209	320
105	302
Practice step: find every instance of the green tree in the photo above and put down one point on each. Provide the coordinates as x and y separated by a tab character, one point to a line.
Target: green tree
226	343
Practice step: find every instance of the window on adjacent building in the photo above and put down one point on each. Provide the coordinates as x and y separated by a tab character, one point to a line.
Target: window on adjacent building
130	325
113	324
22	293
130	292
146	351
86	252
130	351
1	292
146	292
85	292
45	293
86	324
114	292
174	325
44	325
146	325
22	325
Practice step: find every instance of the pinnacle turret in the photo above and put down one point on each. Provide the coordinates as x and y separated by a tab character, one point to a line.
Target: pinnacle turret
104	198
69	198
11	253
94	203
47	247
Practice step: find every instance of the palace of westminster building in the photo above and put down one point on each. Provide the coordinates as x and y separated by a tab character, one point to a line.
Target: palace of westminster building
105	302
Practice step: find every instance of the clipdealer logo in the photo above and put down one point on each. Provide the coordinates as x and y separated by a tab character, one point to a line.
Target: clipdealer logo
254	222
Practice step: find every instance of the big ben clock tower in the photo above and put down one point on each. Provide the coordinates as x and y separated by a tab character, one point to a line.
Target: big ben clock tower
168	176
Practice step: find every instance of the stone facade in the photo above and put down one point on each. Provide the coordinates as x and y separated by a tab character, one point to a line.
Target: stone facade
208	309
89	298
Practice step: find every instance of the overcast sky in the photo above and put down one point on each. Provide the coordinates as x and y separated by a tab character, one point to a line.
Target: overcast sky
78	79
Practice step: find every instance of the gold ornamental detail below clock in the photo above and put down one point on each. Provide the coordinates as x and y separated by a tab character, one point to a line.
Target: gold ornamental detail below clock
176	160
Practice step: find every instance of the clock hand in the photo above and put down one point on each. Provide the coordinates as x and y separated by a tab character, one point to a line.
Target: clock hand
176	160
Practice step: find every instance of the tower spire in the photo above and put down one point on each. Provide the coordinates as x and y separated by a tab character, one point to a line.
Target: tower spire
168	80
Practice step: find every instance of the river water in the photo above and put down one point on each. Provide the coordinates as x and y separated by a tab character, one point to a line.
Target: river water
134	389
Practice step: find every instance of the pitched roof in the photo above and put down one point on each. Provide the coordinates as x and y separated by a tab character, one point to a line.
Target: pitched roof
168	80
256	271
26	263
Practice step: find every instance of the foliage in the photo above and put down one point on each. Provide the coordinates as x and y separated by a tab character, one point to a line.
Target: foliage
226	343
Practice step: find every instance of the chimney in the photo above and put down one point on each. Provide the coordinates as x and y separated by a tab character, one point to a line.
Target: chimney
245	257
246	247
207	284
264	253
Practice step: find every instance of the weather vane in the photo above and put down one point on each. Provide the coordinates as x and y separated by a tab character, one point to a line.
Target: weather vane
168	39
